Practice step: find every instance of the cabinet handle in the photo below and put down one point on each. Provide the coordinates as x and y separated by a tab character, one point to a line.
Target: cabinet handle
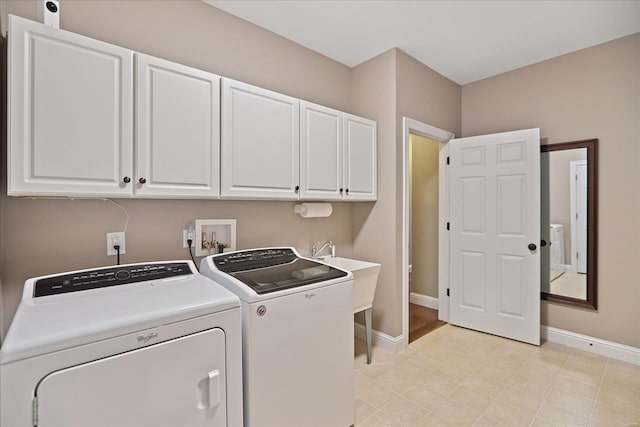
297	188
142	181
126	180
347	191
341	191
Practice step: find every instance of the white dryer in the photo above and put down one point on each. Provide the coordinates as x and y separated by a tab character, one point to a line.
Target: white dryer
154	344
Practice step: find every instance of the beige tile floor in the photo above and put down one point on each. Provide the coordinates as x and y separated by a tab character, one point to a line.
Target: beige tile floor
457	377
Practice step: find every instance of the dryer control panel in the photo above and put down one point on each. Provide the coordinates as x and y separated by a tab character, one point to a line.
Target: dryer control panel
110	276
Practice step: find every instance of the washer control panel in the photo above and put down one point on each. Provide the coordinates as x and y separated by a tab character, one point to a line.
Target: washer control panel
249	260
110	276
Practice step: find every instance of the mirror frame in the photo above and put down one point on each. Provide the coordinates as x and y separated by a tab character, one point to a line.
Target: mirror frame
592	223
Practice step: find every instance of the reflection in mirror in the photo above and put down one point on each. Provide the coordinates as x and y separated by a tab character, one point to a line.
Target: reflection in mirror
568	233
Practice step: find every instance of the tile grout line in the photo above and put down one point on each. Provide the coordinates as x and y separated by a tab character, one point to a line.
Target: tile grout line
431	411
595	400
570	409
555	381
501	391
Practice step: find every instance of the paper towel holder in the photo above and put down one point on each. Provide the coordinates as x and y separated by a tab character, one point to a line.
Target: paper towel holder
313	210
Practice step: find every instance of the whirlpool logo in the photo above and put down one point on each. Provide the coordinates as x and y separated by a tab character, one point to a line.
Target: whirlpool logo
146	338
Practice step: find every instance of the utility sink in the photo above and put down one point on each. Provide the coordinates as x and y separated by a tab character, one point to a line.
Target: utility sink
365	278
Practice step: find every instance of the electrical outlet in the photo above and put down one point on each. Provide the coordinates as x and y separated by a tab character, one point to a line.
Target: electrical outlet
188	234
115	239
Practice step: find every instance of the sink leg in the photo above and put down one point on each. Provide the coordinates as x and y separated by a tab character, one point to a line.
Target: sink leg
367	326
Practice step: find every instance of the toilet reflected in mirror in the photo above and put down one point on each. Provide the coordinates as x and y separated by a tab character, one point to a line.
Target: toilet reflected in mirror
568	222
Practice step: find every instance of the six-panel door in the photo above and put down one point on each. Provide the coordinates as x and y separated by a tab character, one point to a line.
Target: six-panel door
495	233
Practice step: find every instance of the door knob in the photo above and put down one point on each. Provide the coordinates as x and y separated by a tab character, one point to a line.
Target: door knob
532	246
543	243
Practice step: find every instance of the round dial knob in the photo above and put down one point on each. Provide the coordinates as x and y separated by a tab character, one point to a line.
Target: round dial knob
122	275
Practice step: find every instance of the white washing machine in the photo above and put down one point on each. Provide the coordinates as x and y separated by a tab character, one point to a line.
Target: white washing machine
153	344
297	337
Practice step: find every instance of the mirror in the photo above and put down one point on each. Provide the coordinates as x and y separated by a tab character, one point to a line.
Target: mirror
568	191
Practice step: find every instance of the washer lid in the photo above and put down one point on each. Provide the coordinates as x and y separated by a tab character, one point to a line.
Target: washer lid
55	322
274	269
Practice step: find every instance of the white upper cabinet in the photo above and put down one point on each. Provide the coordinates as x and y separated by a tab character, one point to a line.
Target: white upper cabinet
320	152
260	143
177	130
70	113
337	155
360	158
71	120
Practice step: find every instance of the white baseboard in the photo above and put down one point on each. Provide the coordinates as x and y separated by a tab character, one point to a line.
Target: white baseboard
380	339
595	345
423	300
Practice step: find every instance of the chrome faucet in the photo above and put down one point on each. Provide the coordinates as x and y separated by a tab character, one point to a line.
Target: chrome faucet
315	251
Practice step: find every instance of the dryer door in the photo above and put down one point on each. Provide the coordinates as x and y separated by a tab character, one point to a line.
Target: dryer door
180	382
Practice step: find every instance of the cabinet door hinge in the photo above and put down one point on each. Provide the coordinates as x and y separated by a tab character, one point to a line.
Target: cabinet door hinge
448	292
448	160
34	409
448	226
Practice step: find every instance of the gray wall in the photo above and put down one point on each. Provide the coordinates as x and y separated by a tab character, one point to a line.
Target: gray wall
387	88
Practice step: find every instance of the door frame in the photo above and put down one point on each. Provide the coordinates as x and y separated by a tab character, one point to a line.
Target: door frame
573	196
415	127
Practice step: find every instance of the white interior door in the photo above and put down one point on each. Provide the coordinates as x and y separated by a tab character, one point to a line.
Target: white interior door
495	234
578	171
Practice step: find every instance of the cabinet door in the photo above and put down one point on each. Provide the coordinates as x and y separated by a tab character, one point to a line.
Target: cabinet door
177	130
260	143
320	152
360	158
70	113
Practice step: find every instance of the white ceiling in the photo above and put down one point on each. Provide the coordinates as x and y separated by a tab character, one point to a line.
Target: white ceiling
465	41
